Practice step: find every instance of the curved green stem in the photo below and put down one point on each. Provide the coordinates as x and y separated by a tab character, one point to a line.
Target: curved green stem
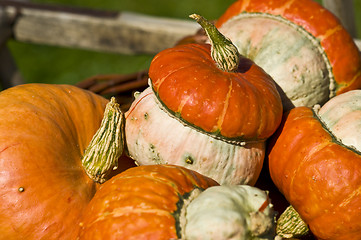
223	52
106	146
290	224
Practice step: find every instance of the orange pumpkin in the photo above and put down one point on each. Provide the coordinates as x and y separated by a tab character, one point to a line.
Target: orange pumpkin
300	44
211	106
144	202
314	162
240	103
44	131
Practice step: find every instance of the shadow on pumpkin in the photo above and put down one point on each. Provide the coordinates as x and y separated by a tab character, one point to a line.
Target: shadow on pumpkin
265	183
124	163
286	102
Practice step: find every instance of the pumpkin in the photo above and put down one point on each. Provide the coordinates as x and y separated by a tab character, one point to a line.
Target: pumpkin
172	202
230	212
144	202
315	161
300	44
207	108
44	131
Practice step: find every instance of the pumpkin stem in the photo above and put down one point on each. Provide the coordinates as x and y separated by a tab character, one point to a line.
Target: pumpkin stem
290	225
223	51
106	146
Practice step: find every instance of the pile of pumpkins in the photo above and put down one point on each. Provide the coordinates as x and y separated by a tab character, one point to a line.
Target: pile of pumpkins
230	132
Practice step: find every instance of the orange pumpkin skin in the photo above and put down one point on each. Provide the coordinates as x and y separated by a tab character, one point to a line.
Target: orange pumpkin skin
337	43
141	203
318	176
300	44
241	105
44	130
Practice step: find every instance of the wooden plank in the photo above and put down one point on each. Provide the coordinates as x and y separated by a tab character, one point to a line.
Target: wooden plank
122	32
344	10
358	43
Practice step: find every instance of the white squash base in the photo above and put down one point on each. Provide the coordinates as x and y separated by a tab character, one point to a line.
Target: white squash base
342	116
154	137
230	212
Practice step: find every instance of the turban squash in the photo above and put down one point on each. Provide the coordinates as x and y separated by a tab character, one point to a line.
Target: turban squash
199	113
44	131
300	44
172	202
315	161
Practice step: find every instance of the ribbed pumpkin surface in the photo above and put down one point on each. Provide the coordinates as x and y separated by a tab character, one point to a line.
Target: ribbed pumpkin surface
341	60
141	203
243	104
153	137
318	175
44	130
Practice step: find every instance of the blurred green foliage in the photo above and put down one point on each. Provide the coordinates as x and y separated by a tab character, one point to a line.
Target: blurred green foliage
167	8
50	64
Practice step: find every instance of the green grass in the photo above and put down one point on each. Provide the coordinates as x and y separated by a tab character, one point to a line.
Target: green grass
48	64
